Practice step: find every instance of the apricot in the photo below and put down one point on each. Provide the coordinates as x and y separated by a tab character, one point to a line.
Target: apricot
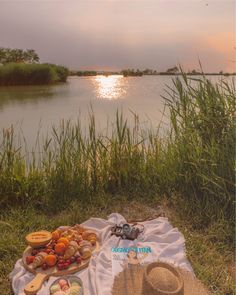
55	235
51	260
60	248
63	240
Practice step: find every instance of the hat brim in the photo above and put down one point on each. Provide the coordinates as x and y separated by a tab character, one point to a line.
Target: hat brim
130	282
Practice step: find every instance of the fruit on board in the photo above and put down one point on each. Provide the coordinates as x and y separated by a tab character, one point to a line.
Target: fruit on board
67	245
55	235
72	259
38	239
51	260
44	266
39	259
63	240
29	259
60	248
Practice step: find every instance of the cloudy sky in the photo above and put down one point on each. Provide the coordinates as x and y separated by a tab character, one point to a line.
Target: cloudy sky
116	34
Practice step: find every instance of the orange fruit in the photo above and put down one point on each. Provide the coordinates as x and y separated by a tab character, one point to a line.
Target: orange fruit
55	235
60	248
63	240
51	260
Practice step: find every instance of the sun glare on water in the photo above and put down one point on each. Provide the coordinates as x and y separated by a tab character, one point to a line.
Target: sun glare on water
109	87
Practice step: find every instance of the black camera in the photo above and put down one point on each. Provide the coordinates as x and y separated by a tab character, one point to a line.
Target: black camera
126	232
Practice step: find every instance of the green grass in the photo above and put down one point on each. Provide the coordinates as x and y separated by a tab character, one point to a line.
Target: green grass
212	262
192	168
31	74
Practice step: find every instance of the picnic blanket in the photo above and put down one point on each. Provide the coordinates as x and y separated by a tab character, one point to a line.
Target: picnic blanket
166	242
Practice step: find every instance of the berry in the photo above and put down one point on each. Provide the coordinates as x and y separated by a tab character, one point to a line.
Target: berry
60	261
34	252
78	260
29	259
66	265
44	266
60	266
72	259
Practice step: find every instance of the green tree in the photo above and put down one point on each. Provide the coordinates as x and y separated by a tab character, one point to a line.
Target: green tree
173	70
8	55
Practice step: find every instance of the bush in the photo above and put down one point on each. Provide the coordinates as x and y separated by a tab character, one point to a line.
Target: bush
31	74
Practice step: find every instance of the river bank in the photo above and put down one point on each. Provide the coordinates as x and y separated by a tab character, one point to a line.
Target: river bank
76	175
211	258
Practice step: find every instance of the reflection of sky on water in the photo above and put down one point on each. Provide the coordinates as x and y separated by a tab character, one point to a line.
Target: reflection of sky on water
110	87
21	95
34	107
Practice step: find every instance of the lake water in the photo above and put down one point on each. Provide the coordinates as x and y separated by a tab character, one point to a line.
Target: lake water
35	108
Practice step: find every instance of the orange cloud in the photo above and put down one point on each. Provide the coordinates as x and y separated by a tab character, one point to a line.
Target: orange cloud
223	42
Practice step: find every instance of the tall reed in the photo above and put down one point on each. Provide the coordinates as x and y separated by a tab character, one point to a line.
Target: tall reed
193	162
31	74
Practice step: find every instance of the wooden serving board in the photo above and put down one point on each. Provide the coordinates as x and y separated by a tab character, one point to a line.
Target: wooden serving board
42	275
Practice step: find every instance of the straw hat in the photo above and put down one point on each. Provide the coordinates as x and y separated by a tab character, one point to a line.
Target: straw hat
157	278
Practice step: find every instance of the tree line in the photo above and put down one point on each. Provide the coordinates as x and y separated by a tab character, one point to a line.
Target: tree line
8	55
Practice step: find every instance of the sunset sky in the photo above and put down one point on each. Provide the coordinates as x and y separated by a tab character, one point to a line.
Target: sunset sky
117	34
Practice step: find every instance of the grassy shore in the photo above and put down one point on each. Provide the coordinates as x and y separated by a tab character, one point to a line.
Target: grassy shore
31	74
211	258
73	175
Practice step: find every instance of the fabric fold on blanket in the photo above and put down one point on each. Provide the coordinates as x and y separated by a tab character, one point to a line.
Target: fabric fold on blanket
167	244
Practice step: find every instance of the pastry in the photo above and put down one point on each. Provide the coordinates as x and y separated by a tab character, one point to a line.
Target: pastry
89	235
39	259
85	249
80	229
71	249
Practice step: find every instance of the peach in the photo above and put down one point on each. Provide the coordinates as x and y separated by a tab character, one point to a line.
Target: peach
50	260
60	248
55	235
63	240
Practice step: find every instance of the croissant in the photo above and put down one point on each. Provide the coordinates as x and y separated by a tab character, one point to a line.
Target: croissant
85	249
84	243
78	238
71	249
39	259
86	252
89	236
80	229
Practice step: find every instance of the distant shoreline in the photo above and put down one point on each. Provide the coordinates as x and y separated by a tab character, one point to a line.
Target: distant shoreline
159	74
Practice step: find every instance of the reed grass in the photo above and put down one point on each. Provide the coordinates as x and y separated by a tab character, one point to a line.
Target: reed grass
194	162
31	74
73	174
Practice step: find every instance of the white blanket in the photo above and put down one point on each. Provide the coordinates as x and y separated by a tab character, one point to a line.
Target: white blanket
167	243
